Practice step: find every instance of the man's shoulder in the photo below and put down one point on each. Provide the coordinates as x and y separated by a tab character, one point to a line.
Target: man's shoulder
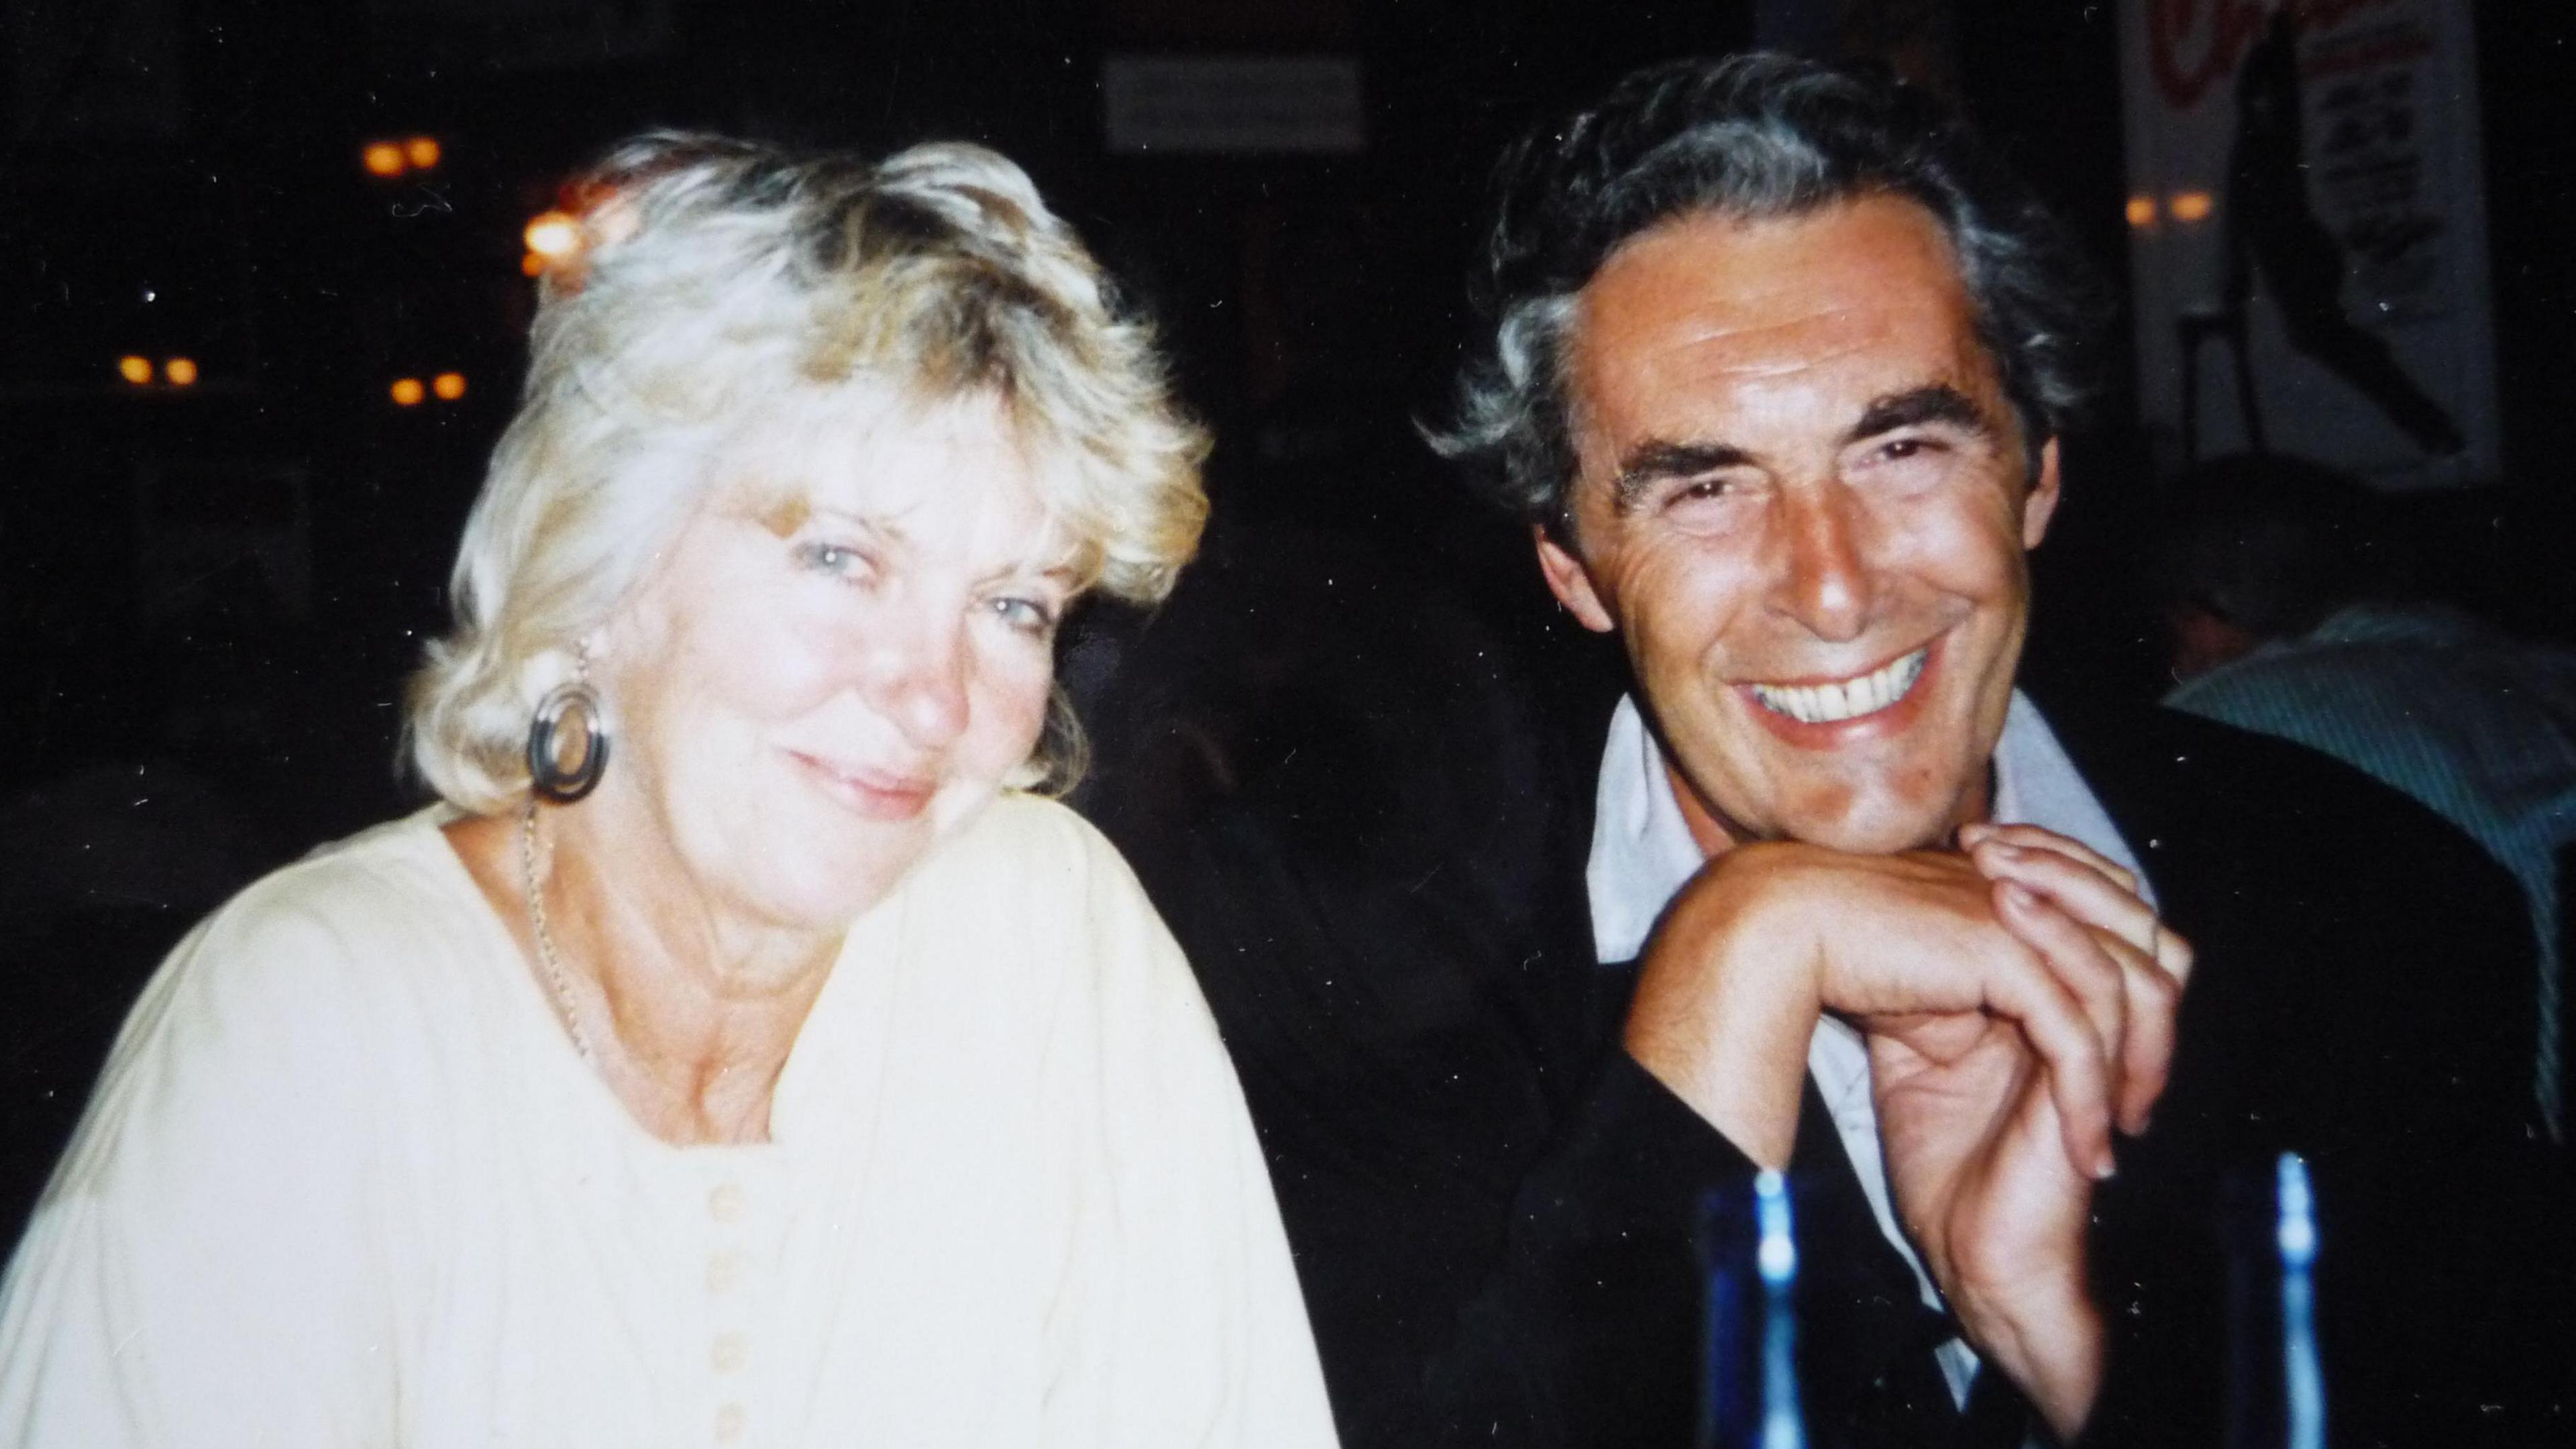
2261	847
2334	915
2189	780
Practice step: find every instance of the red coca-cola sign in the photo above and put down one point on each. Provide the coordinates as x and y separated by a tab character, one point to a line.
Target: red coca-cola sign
2192	44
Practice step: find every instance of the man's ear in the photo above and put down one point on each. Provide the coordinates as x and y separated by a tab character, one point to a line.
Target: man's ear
1571	582
2041	505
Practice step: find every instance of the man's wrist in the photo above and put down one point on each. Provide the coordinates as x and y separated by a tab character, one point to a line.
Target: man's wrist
2053	1349
1727	1002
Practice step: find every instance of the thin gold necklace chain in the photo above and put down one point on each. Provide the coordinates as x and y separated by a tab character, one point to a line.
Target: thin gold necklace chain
546	956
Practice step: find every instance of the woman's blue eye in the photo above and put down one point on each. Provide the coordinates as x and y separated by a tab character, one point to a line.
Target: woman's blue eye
831	558
1027	615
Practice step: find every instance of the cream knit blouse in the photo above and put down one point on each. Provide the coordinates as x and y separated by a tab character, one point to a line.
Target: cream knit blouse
346	1182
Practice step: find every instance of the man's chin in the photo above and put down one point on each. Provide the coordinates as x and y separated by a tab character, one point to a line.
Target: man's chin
1888	832
1870	842
1886	806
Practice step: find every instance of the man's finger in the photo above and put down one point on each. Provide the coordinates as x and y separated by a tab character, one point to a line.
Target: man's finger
2154	1000
2032	837
2097	899
2062	1030
2174	955
2144	998
2075	954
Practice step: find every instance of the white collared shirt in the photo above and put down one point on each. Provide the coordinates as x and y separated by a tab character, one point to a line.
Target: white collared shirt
1642	853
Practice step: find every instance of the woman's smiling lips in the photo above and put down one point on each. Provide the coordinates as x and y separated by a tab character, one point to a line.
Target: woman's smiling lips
875	794
1824	714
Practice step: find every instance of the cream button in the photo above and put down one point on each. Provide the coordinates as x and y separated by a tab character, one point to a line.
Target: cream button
729	1423
725	1203
729	1352
724	1272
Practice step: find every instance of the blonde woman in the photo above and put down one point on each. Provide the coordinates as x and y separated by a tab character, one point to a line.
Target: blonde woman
737	1054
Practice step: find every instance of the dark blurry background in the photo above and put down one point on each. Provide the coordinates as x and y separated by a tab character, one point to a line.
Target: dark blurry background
213	580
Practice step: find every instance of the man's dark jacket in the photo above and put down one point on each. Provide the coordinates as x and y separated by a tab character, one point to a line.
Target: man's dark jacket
1505	1227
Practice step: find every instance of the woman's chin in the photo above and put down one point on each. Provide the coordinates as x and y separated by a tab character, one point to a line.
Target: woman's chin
841	868
814	902
958	802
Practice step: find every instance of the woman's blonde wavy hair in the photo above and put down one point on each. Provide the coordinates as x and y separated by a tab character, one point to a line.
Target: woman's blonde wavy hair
720	281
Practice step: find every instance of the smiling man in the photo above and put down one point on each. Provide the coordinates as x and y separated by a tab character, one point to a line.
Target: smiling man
2026	1006
1802	499
1791	474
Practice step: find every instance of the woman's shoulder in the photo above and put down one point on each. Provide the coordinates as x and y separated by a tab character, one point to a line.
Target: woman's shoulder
261	1033
1031	878
388	890
1040	846
352	934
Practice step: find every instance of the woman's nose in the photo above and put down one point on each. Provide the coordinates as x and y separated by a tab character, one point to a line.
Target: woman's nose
917	679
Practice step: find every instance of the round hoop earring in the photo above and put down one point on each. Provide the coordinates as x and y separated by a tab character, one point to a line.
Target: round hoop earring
569	715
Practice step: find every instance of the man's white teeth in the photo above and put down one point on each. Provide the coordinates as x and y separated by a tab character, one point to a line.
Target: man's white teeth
1850	699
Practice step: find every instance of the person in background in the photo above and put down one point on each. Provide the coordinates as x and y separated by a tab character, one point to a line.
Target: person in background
738	1052
2281	624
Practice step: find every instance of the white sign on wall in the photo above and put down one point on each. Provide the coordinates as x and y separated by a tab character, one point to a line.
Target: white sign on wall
1232	105
2308	229
529	34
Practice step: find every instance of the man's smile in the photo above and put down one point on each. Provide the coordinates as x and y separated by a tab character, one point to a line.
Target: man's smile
1833	701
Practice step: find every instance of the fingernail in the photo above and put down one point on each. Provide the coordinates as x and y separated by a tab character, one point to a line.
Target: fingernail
2104	1169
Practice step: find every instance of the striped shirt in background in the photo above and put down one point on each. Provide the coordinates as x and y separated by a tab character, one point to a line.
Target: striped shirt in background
2478	726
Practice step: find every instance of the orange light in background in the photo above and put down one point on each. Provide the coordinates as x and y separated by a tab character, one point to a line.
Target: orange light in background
421	151
554	236
533	265
382	158
136	370
2142	211
2192	206
448	385
407	392
181	371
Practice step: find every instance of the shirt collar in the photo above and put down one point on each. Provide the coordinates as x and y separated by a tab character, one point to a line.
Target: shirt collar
1642	850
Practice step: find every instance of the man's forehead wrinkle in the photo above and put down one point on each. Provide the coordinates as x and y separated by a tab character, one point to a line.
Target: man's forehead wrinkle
1699	372
1756	319
1711	336
1777	348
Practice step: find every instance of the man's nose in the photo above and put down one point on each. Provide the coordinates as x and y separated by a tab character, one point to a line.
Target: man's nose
915	675
1824	575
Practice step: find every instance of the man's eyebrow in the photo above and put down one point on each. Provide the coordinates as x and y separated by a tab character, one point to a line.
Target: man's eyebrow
1656	459
1936	403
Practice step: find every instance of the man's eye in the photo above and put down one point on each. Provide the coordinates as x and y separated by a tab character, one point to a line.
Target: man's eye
1697	492
1704	505
1899	449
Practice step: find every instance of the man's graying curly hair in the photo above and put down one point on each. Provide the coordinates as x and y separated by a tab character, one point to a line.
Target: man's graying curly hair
1748	136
